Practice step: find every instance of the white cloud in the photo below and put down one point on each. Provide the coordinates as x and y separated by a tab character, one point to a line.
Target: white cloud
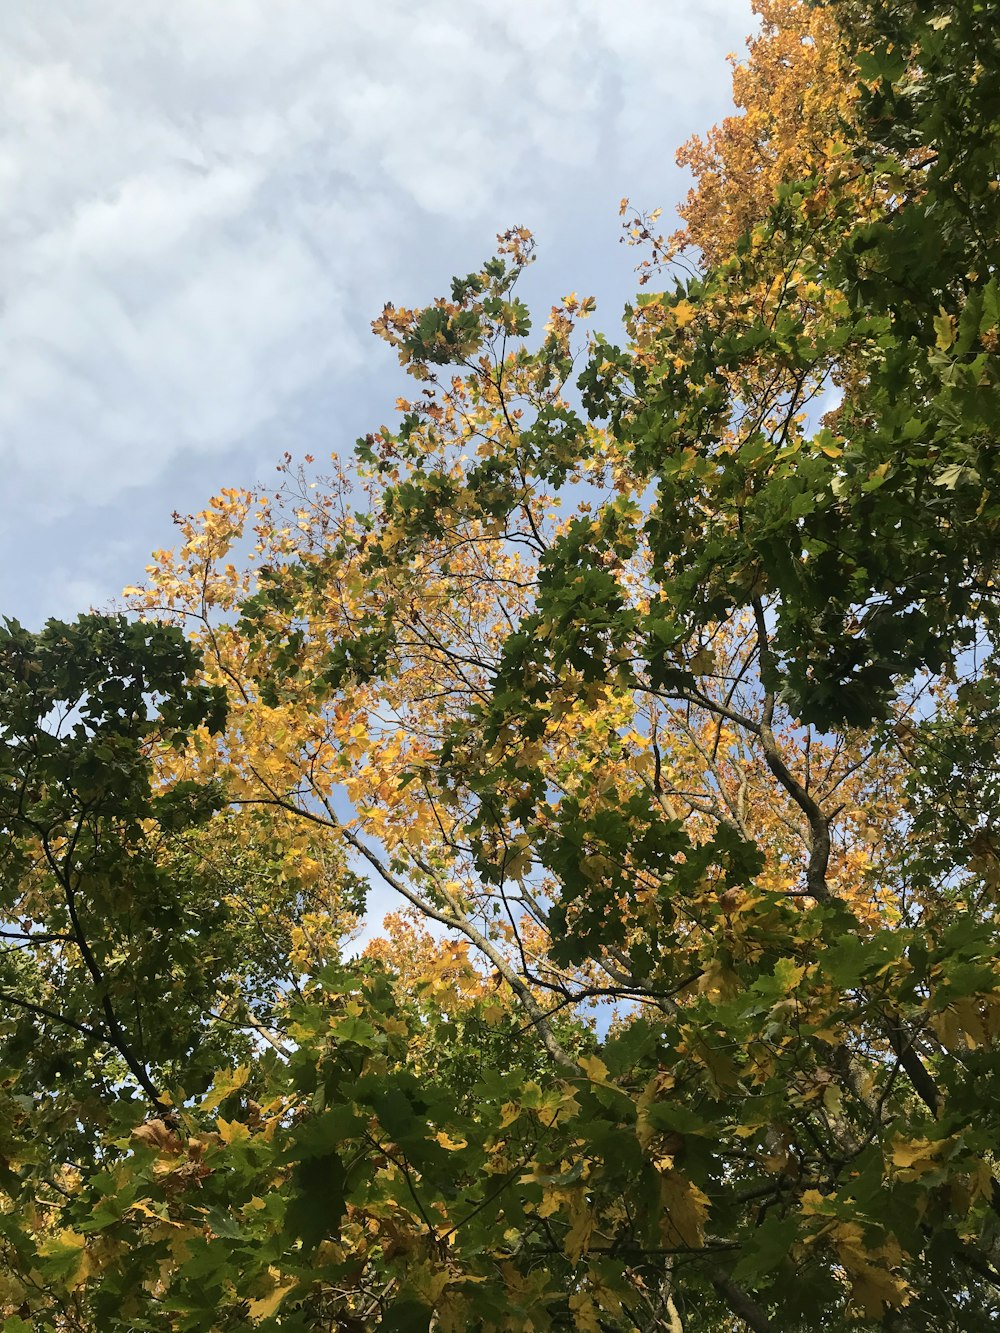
204	204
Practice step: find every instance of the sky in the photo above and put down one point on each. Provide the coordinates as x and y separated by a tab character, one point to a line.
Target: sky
203	205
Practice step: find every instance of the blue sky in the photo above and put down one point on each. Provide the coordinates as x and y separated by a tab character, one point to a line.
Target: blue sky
206	202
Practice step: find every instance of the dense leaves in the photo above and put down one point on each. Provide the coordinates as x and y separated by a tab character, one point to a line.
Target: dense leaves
658	683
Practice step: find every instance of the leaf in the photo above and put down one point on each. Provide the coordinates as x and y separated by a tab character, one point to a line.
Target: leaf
318	1200
788	974
874	1290
406	1316
452	1145
268	1305
585	1313
227	1081
954	475
553	1199
64	1242
582	1223
917	1155
66	1257
991	307
685	1210
944	327
771	1245
595	1069
158	1135
233	1131
684	313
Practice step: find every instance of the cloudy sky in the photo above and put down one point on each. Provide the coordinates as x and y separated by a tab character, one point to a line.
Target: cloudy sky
204	203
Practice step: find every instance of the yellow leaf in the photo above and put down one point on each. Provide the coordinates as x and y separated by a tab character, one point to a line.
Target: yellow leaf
874	1288
582	1228
585	1316
684	314
232	1131
947	1029
917	1155
685	1210
788	974
944	325
595	1069
266	1307
453	1145
644	1131
429	1282
226	1081
552	1201
157	1211
62	1242
969	1022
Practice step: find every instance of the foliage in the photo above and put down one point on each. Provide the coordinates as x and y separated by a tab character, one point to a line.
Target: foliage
659	683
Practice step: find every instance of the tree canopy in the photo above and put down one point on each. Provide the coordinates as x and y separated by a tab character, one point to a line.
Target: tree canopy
655	677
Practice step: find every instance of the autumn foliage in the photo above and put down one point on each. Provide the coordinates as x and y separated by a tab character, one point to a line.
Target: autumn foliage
654	685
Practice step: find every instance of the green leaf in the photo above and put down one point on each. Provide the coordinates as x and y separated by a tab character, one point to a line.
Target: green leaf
318	1200
769	1246
407	1316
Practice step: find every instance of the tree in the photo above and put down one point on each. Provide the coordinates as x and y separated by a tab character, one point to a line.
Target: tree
670	710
